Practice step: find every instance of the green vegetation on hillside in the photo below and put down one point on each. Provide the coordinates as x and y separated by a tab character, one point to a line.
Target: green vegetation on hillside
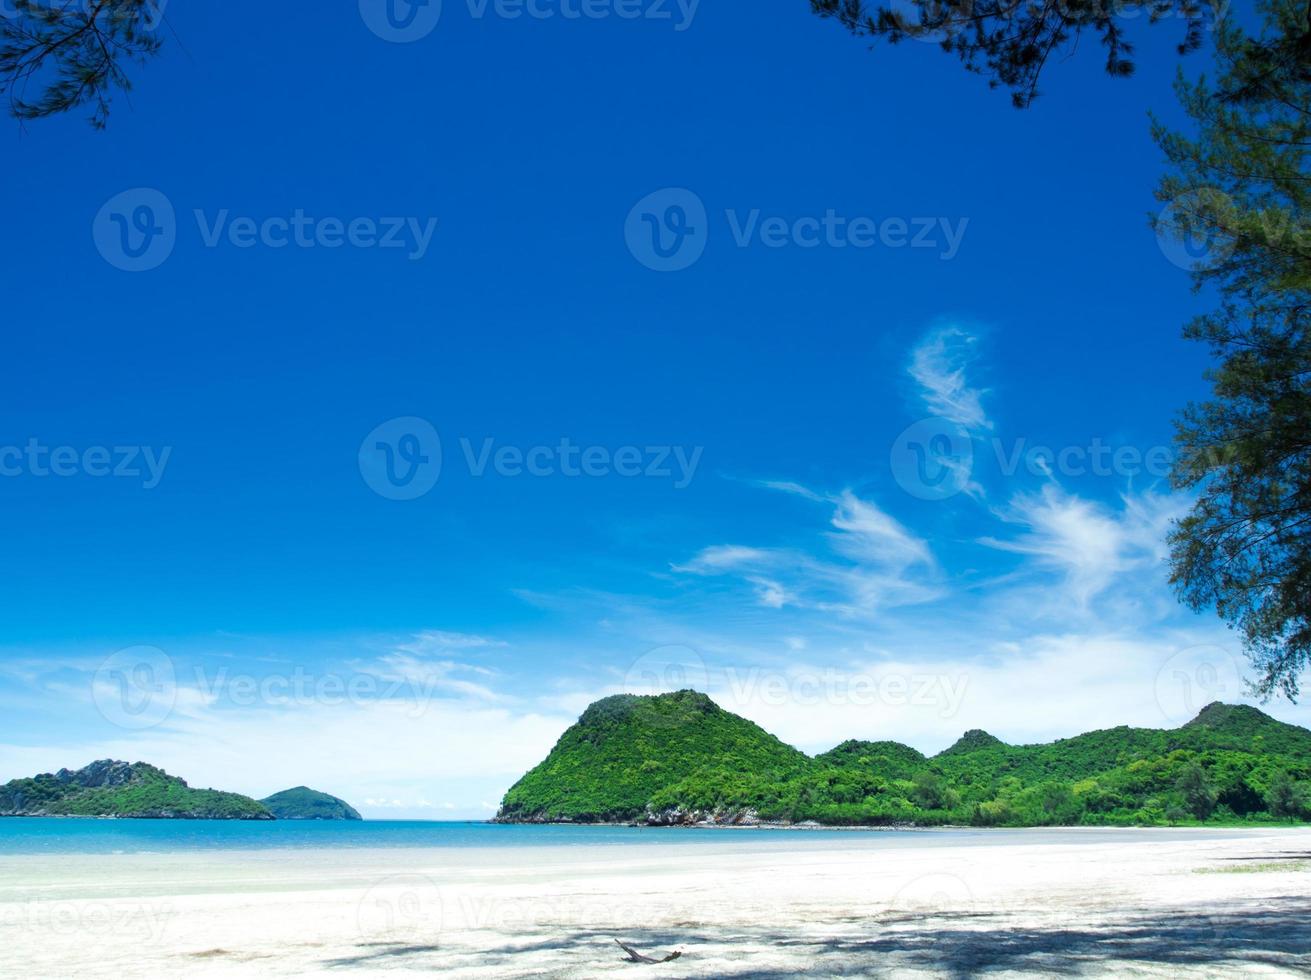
680	758
303	803
116	789
627	752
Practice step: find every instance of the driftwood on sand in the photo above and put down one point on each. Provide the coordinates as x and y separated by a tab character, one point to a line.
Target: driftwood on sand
635	957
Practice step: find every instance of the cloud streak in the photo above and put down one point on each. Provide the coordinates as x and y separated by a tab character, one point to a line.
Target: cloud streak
872	562
938	364
1089	547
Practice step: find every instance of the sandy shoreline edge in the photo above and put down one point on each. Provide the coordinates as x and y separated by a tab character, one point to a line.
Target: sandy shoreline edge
1098	903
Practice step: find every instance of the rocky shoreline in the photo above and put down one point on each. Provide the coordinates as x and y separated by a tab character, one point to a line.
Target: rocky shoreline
703	819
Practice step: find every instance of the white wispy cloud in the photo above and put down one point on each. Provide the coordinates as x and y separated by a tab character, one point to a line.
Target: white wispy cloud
771	593
872	562
725	557
939	366
868	535
429	642
421	666
1090	546
1076	538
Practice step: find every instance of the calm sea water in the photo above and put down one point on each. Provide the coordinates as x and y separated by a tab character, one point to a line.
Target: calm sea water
40	835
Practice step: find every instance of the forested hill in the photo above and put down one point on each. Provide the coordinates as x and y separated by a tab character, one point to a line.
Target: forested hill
303	803
109	788
629	754
680	759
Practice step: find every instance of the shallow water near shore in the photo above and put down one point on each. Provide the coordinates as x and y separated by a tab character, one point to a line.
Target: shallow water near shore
69	835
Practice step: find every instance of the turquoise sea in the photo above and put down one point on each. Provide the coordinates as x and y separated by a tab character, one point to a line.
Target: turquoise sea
67	835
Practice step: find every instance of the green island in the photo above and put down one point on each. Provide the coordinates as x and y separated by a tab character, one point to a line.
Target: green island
109	788
303	803
680	759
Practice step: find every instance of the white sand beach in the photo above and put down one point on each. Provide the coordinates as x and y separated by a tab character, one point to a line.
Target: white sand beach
1031	903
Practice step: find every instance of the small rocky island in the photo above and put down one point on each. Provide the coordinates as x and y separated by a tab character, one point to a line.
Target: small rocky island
303	803
110	788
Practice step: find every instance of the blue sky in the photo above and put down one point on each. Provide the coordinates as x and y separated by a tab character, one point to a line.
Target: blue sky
881	240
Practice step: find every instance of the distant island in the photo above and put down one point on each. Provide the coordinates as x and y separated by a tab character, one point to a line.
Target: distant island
680	759
303	803
110	788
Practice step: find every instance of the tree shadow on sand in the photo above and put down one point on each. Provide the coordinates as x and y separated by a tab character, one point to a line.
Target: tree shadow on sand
959	945
1273	936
